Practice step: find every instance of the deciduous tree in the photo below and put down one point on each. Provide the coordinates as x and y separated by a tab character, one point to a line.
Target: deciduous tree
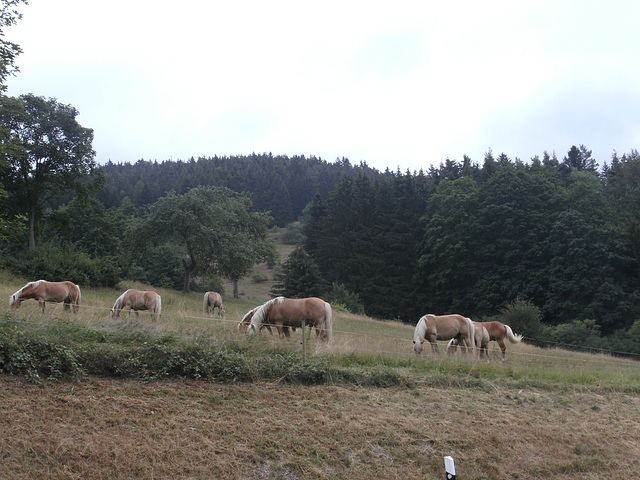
48	153
215	227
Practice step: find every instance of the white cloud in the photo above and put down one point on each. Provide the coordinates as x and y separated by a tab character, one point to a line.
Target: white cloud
405	84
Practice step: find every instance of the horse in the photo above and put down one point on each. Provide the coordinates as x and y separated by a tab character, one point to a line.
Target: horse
497	332
285	313
443	327
481	339
44	291
243	326
138	300
211	301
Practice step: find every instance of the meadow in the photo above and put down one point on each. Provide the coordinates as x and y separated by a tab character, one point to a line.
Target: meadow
224	406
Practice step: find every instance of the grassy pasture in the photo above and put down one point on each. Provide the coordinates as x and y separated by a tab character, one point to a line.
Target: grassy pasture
544	413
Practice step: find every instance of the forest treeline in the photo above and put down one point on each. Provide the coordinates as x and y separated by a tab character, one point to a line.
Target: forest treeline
278	184
560	235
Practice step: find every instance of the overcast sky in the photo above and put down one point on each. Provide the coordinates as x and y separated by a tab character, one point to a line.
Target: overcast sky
396	84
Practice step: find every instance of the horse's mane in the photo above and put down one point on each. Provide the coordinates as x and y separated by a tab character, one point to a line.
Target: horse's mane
119	301
421	329
261	313
34	284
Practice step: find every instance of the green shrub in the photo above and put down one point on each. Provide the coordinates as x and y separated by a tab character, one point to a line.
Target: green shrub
349	300
57	263
581	335
523	317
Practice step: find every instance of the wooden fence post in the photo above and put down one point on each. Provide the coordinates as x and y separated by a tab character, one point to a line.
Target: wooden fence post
304	340
449	468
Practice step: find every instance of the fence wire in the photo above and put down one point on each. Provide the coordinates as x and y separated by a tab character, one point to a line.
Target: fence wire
362	339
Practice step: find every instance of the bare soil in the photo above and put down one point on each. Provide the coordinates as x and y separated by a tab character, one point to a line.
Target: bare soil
104	428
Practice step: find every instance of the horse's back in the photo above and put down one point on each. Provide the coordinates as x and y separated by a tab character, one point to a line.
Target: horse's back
447	326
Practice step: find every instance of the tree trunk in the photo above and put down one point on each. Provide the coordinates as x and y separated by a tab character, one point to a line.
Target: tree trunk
189	268
235	288
186	286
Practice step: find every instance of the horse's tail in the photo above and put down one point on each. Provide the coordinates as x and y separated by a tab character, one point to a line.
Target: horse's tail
206	303
512	337
328	322
76	306
472	332
158	306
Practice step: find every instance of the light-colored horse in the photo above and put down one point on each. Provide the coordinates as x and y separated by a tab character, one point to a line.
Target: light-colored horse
138	300
497	332
285	313
481	339
443	327
44	291
211	301
243	326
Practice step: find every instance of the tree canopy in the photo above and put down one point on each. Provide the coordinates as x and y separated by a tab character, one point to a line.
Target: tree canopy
48	153
215	228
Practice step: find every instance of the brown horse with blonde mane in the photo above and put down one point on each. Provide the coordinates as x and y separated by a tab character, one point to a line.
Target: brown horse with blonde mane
497	332
482	341
43	291
138	300
285	313
211	301
443	327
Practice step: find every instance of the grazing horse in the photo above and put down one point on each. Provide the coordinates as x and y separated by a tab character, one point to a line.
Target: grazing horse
285	313
481	339
138	300
243	326
498	332
443	327
495	331
211	301
44	291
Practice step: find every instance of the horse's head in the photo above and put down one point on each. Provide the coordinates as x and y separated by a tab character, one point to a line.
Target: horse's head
14	301
252	330
417	346
221	311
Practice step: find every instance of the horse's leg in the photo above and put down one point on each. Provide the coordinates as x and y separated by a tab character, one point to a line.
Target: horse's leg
42	306
503	347
66	306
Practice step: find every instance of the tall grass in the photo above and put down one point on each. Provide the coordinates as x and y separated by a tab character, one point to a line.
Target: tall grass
185	343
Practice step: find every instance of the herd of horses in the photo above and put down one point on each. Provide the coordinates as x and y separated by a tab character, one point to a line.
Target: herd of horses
286	314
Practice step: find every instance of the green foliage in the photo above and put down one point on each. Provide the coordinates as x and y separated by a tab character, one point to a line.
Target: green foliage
579	335
299	277
523	317
51	154
214	229
341	296
258	277
8	50
58	263
35	357
293	234
159	265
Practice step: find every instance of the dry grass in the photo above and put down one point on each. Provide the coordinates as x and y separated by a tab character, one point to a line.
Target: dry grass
542	414
124	429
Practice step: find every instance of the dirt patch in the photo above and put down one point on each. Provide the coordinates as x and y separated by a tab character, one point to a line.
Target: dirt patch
125	429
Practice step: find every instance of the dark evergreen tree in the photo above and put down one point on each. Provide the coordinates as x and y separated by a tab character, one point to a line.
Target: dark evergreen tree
300	277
